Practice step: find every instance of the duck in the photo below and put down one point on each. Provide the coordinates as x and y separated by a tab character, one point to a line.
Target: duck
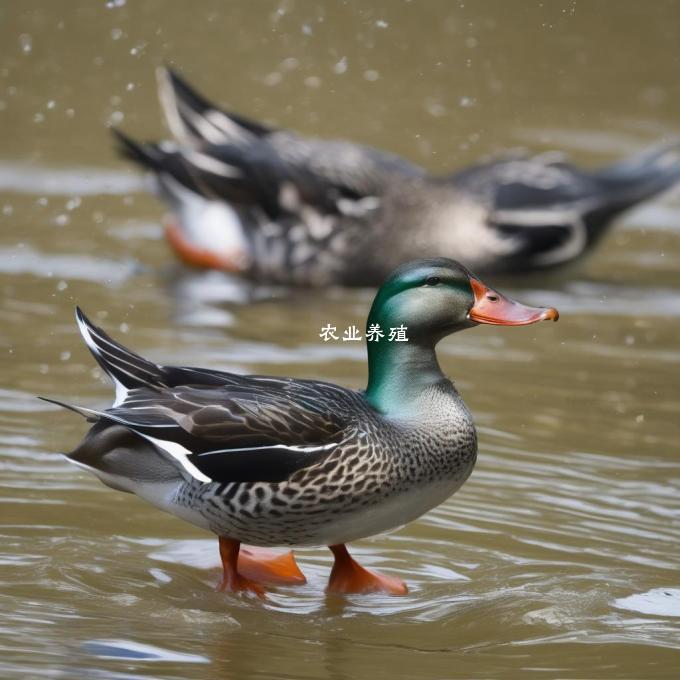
277	207
264	462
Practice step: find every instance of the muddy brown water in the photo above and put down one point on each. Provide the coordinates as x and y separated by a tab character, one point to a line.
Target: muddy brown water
558	558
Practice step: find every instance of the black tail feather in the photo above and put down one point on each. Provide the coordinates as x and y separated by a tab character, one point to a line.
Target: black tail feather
636	179
643	175
146	155
91	416
125	368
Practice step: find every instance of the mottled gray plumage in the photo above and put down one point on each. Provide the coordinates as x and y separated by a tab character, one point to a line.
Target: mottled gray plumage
279	461
284	461
317	212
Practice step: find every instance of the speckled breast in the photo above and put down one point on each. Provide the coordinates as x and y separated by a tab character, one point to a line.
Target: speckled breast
374	483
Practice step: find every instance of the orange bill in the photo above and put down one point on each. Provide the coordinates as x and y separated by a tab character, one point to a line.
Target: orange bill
493	308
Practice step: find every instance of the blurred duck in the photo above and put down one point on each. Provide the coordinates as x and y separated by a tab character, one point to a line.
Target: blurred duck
278	207
271	461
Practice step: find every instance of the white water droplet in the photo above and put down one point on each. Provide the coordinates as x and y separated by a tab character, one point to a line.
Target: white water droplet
290	63
341	66
273	78
116	118
26	43
435	108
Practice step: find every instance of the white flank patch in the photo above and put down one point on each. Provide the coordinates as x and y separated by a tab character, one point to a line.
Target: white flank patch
213	225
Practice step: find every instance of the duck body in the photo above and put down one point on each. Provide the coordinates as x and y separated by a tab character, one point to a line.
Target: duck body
270	461
298	462
307	211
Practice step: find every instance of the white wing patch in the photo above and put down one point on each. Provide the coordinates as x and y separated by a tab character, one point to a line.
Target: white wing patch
306	448
568	218
179	453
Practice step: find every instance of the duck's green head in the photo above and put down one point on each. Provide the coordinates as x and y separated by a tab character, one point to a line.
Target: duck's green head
428	299
434	298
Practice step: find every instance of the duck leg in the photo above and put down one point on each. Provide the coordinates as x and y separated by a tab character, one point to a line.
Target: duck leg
348	576
260	564
232	581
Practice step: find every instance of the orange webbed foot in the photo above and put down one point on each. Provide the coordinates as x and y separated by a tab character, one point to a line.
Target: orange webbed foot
232	580
236	583
348	576
260	564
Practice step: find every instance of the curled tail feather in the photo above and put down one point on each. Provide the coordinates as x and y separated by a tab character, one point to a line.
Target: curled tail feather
127	369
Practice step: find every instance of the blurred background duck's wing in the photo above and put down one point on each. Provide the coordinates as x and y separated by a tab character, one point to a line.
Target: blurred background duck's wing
554	210
252	176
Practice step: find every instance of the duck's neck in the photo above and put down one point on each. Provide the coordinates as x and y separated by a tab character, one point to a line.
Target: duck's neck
399	373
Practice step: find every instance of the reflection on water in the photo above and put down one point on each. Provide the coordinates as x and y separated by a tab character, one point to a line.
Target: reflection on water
134	651
558	558
24	179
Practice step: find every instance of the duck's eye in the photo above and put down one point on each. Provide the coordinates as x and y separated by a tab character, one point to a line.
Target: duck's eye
432	280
